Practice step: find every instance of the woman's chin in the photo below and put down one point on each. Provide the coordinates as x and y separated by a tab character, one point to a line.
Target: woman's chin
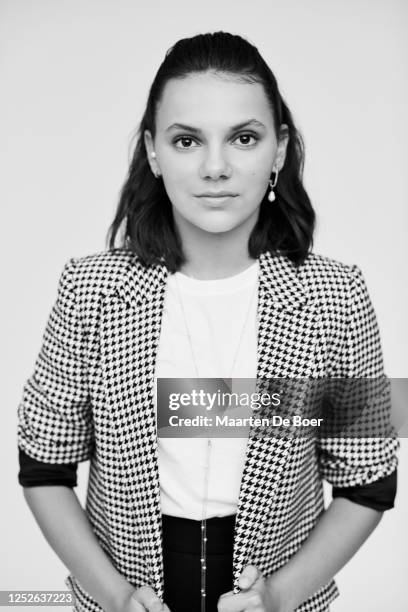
218	222
217	227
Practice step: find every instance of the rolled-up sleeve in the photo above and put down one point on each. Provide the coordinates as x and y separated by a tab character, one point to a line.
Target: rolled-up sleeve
378	495
369	454
35	473
55	416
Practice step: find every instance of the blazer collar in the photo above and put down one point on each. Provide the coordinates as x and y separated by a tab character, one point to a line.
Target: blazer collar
278	278
139	283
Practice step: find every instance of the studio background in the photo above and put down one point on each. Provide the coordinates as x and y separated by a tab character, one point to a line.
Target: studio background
75	76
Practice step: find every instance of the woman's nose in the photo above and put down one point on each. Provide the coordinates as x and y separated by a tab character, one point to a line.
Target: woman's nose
215	164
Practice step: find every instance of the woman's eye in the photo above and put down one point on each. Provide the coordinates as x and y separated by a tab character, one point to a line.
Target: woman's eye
187	142
245	139
184	142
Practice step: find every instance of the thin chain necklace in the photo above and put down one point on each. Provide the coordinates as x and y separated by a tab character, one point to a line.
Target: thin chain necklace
203	551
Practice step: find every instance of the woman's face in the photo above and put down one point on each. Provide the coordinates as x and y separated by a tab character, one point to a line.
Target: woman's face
215	147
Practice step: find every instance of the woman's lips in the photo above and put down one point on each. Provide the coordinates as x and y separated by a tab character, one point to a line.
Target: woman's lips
217	200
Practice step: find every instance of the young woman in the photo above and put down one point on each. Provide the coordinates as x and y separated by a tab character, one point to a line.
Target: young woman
214	278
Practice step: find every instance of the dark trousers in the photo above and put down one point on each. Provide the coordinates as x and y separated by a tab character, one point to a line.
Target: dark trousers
182	566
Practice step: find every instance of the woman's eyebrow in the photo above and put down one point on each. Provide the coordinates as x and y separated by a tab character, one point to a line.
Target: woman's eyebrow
194	130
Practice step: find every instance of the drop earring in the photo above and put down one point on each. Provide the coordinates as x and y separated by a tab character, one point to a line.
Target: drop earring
272	185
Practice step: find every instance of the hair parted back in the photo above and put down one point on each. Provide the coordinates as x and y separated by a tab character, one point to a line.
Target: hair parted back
144	212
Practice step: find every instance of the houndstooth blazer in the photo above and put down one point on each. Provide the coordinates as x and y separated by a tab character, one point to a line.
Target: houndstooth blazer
91	397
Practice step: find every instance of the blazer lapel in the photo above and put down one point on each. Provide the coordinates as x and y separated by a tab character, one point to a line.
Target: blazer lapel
287	331
130	332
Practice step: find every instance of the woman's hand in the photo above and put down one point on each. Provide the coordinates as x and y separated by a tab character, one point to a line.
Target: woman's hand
256	595
143	599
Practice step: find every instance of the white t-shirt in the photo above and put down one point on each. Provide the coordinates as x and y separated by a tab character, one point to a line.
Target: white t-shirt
215	312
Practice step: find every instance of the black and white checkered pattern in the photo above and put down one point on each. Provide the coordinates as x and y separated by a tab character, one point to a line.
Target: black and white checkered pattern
91	397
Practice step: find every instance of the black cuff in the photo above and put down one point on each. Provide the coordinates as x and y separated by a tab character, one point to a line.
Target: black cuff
35	473
379	495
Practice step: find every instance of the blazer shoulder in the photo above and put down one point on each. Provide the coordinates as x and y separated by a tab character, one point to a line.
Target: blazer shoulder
322	265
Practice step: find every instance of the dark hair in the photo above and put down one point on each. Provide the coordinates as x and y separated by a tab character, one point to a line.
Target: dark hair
144	208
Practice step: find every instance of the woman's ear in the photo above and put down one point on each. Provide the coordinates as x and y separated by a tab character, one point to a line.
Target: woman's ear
151	155
283	140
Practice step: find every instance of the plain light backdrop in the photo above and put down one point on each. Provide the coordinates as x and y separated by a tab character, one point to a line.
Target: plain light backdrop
74	80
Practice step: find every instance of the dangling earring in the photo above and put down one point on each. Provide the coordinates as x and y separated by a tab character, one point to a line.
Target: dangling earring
272	185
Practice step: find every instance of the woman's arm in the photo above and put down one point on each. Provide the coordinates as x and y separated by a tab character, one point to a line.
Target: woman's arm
55	433
339	533
360	469
66	527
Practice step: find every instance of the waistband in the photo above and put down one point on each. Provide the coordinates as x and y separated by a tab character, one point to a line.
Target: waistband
184	535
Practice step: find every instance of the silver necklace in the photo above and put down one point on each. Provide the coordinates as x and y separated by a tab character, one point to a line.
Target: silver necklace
203	552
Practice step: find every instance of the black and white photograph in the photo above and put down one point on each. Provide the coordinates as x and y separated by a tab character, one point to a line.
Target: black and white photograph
204	254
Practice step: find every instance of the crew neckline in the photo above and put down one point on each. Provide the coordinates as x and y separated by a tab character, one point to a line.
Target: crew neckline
229	284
